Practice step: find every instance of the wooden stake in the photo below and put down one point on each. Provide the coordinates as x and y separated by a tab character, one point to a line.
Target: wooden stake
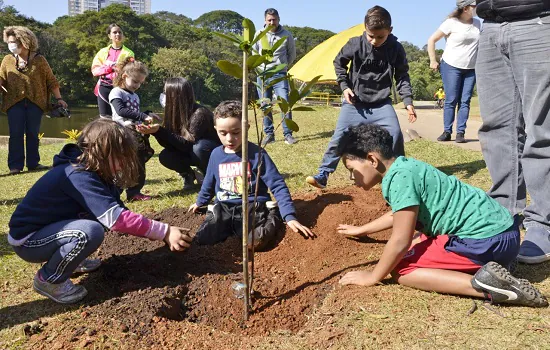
244	170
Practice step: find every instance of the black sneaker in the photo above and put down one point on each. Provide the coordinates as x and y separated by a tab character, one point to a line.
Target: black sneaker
460	138
499	286
446	136
188	180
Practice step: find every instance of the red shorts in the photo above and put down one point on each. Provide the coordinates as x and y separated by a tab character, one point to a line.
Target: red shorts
430	253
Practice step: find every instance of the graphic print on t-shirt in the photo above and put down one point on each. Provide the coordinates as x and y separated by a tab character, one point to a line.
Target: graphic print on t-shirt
231	181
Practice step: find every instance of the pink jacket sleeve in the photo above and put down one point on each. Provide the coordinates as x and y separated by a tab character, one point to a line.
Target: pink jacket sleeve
101	70
138	225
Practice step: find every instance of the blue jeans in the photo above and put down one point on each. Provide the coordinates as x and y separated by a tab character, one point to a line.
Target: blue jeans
24	119
514	97
181	162
356	114
459	87
281	89
63	246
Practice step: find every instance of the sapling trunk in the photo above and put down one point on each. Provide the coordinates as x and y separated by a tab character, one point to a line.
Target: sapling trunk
244	170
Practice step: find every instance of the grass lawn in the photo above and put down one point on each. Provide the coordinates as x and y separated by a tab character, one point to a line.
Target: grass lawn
435	321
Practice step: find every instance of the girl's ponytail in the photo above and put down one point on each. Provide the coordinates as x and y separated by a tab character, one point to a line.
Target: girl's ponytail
130	67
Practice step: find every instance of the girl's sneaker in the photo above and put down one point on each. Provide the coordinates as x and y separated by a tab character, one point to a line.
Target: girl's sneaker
88	265
140	197
63	293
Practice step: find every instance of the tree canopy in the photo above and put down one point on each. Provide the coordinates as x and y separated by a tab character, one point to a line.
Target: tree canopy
169	44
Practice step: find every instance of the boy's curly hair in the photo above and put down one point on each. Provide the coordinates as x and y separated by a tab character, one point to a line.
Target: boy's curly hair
377	18
228	109
103	142
130	67
359	140
24	35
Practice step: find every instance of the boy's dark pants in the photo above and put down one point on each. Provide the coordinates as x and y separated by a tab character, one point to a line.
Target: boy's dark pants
226	220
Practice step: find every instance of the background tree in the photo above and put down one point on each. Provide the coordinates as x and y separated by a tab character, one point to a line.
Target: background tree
224	21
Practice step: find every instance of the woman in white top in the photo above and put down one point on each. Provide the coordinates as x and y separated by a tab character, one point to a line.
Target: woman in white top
461	31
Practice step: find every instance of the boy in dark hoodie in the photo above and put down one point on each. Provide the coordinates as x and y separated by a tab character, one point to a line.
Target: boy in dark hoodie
376	58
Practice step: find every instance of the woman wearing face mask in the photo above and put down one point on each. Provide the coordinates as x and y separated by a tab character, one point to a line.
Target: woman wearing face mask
461	31
26	81
104	67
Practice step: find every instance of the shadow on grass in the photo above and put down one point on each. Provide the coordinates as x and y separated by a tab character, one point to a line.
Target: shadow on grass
123	274
13	201
470	168
320	135
534	273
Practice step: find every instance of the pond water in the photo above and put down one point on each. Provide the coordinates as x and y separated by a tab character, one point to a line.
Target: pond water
52	127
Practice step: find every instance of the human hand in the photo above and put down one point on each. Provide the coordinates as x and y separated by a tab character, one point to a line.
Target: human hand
350	230
148	120
155	117
412	113
178	239
434	65
147	128
349	96
194	208
62	103
360	278
301	229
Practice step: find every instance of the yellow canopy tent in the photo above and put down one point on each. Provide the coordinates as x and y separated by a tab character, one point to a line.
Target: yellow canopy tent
319	60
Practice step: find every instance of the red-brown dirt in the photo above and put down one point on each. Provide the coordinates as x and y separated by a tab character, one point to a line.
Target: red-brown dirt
150	296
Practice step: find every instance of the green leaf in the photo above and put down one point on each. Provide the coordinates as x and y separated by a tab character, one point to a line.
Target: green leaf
275	81
245	46
265	44
309	85
303	109
291	125
261	35
248	30
275	69
293	97
291	83
283	104
230	68
230	37
254	61
278	43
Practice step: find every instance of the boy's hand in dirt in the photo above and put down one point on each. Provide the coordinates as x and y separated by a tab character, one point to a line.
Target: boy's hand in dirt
299	228
350	230
178	239
360	278
194	208
412	113
349	96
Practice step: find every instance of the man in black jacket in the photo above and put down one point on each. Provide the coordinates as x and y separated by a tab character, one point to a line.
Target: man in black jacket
376	59
513	83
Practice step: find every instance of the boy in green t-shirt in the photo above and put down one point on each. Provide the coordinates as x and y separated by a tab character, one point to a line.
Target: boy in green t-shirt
464	231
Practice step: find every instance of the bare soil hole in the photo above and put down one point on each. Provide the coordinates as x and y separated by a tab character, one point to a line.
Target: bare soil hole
142	282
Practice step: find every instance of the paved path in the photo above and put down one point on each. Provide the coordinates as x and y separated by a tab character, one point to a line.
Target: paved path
429	125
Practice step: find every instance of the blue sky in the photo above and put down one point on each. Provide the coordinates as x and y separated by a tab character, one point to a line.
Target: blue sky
413	21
